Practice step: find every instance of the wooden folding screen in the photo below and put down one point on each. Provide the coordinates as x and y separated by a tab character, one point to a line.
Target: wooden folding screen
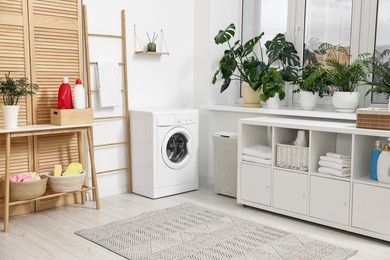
40	39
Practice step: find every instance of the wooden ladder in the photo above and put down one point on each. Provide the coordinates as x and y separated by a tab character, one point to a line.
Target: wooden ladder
124	91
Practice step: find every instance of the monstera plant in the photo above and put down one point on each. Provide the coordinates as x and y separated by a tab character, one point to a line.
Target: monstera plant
246	62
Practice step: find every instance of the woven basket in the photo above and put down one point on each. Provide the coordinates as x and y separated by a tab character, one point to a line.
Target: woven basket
25	190
373	118
292	157
66	183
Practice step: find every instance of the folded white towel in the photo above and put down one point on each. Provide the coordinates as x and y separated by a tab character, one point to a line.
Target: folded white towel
108	83
248	158
258	150
344	162
339	156
333	165
340	173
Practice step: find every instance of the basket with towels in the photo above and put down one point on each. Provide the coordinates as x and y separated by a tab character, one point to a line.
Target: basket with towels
69	180
335	164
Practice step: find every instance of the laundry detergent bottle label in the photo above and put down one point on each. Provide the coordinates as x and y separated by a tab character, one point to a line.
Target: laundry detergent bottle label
65	95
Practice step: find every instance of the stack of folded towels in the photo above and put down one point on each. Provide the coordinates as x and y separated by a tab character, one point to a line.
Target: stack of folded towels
335	164
257	154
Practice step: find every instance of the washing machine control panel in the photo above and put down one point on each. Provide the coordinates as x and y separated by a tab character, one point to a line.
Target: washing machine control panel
182	119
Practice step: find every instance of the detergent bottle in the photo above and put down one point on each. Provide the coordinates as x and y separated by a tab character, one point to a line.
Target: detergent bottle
383	171
78	95
65	95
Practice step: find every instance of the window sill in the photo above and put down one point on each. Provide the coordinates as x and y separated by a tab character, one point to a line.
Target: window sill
283	111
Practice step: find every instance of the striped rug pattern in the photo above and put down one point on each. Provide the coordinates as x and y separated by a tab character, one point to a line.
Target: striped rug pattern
191	232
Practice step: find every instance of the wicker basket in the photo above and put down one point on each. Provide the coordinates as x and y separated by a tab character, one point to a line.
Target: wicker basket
373	118
292	157
25	190
66	183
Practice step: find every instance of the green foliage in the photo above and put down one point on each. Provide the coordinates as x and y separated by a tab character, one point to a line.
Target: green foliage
12	90
381	74
313	78
347	77
240	62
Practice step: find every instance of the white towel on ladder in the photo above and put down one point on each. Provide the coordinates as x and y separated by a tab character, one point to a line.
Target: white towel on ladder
108	84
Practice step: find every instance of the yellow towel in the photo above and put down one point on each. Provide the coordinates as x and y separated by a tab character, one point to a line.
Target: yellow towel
73	169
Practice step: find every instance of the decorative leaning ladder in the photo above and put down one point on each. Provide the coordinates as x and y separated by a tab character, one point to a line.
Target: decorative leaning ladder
125	115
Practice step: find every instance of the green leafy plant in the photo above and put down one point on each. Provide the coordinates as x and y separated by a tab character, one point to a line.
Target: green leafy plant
240	62
12	90
344	76
314	77
380	70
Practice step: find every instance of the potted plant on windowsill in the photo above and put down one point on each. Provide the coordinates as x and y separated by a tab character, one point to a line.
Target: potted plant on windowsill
380	81
12	90
241	62
344	77
312	83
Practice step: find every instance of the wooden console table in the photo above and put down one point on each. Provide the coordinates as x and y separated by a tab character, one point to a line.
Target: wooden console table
35	130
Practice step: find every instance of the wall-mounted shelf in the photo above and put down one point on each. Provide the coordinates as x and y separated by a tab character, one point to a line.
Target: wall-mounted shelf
151	53
140	48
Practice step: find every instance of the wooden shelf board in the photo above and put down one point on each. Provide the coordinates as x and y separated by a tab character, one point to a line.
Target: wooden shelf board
48	194
151	53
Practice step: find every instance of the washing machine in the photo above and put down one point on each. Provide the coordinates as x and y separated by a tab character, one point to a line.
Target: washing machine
164	151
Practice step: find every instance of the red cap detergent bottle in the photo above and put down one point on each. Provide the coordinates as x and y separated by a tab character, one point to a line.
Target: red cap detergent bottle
65	95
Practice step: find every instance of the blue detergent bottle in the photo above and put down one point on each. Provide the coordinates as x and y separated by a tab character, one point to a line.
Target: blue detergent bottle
376	151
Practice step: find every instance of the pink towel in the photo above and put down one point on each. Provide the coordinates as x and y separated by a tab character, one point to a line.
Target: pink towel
21	178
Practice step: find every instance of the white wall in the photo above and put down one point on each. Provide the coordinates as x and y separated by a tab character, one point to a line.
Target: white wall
182	79
210	17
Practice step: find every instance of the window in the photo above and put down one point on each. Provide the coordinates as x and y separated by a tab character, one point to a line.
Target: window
382	44
308	23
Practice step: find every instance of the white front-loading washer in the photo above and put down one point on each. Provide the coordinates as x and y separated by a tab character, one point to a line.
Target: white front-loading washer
164	151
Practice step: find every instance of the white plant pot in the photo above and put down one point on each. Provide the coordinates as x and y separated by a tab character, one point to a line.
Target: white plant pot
273	102
10	114
346	102
308	100
251	97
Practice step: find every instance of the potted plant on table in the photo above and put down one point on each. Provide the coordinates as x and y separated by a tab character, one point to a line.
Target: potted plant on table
241	62
344	77
12	90
312	83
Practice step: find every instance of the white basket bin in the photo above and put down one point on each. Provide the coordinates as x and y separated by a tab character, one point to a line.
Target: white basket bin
225	163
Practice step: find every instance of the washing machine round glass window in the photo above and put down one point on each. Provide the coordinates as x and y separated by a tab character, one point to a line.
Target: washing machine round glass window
177	148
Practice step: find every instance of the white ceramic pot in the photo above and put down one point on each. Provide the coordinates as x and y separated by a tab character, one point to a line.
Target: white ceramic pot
273	102
10	114
251	97
345	101
308	100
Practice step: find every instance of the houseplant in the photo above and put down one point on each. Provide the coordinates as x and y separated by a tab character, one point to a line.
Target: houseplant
380	81
241	62
312	83
345	77
12	90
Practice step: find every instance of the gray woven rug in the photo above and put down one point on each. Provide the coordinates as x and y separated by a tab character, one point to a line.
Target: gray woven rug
191	232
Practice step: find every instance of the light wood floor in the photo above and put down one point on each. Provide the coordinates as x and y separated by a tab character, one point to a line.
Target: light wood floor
49	234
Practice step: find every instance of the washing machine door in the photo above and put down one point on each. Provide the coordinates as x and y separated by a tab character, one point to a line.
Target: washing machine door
177	148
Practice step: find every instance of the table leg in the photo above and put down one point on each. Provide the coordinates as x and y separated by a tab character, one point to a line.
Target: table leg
80	142
93	170
6	180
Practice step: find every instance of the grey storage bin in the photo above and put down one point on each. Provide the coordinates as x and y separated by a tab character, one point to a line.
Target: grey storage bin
225	163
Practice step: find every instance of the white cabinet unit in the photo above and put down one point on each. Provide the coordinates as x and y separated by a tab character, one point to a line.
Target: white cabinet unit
289	191
257	183
371	208
329	199
354	202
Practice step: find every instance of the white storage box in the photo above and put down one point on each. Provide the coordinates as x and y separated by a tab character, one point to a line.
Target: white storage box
225	163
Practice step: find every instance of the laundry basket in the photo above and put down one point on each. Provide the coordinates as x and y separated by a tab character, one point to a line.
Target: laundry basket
225	163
